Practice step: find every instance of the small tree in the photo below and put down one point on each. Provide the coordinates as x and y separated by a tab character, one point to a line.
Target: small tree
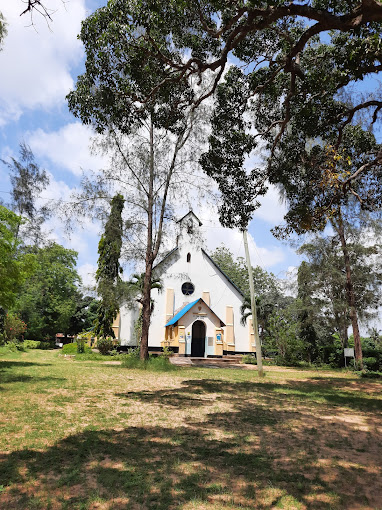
109	270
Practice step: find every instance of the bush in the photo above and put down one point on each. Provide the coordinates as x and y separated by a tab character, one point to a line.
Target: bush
371	363
371	374
70	348
105	345
249	359
154	363
81	345
14	327
32	344
15	346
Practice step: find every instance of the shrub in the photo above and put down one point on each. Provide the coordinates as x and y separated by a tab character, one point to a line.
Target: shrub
32	344
81	344
249	359
369	374
15	346
371	363
70	348
105	345
14	327
154	363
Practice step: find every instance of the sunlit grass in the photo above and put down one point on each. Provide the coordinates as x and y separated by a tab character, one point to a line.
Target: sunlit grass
82	434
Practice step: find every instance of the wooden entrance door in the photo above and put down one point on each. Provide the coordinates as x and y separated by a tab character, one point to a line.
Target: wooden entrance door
198	341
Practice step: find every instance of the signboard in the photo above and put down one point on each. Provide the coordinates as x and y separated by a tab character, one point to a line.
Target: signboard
218	338
349	352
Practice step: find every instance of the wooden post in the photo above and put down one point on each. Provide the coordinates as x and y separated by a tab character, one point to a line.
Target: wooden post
259	357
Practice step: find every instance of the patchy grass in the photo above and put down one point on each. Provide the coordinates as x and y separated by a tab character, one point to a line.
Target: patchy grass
80	434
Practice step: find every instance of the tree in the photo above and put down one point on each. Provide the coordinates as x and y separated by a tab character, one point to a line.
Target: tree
267	289
85	314
333	276
109	270
14	266
28	180
47	299
150	143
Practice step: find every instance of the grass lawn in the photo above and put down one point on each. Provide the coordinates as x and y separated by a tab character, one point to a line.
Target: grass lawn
88	435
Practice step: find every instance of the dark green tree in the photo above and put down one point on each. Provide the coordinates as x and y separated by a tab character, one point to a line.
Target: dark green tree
15	266
109	270
85	314
47	299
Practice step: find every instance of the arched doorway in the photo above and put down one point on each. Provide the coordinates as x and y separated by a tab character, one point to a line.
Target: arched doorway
198	341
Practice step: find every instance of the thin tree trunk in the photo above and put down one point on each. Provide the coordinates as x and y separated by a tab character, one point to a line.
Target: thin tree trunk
350	293
146	298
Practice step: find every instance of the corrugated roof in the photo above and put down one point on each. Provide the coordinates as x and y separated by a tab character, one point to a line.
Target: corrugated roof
182	312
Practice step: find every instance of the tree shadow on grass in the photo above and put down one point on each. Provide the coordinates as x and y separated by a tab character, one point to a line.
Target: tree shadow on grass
312	392
258	451
15	364
166	468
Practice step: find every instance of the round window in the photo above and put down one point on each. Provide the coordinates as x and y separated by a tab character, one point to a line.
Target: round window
188	288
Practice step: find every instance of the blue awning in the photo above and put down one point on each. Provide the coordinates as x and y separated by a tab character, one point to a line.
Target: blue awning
182	312
188	307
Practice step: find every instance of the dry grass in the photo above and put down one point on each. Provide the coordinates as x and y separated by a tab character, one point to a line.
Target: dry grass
85	435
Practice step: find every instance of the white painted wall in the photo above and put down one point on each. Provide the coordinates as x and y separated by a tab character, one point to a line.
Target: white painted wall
174	271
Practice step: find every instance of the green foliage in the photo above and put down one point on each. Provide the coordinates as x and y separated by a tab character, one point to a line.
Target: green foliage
109	269
367	374
284	337
28	180
105	345
14	266
47	299
36	344
371	364
249	359
14	327
159	363
81	344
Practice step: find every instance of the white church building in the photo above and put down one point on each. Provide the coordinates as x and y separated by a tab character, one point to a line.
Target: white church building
197	312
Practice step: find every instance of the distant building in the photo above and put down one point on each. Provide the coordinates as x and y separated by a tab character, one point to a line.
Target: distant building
197	313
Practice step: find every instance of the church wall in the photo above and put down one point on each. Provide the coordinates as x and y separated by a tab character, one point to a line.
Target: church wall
207	279
189	264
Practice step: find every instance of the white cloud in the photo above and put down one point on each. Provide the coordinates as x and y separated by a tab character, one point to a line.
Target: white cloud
87	273
215	235
272	210
36	61
67	147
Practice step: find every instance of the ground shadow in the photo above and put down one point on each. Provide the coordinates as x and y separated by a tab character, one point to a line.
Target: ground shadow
15	364
261	451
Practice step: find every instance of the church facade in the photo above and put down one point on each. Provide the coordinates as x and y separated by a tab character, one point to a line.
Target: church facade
197	312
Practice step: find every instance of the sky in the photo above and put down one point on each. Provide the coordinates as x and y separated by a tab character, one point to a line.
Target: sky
39	66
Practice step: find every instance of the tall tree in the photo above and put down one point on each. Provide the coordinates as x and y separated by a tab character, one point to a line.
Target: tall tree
47	299
109	270
15	266
28	180
348	286
149	142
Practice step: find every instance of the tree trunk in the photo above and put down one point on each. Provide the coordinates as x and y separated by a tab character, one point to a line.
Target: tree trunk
146	298
350	293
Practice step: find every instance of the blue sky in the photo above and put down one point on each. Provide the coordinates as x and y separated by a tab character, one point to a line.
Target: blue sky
39	67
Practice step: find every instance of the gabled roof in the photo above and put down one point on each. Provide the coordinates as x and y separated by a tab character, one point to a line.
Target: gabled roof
188	307
223	273
166	256
194	215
